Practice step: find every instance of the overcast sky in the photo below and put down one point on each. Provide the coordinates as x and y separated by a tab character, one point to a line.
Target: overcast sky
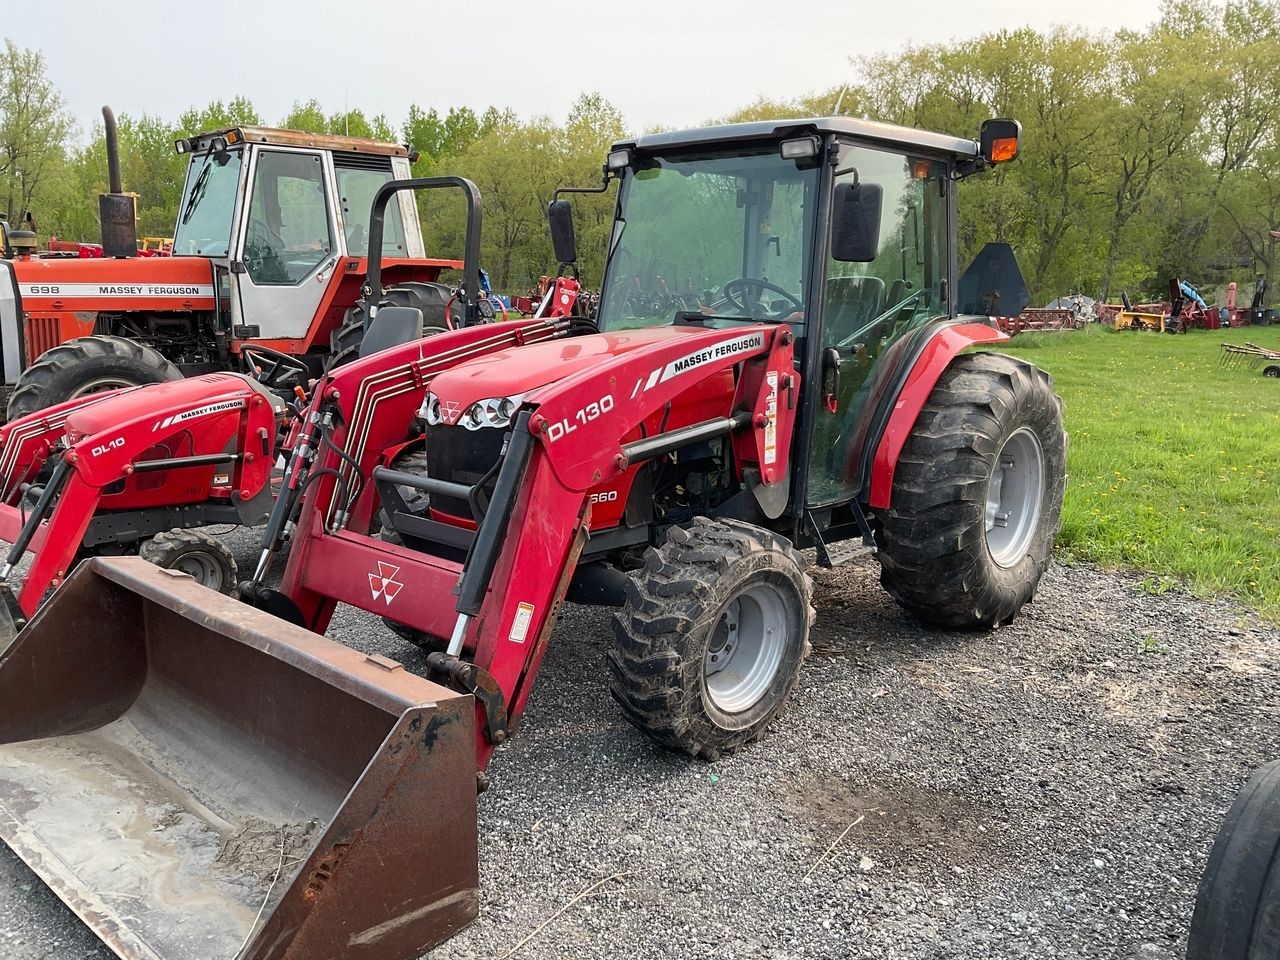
668	62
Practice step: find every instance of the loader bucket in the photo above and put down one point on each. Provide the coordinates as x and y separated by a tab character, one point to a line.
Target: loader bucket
199	780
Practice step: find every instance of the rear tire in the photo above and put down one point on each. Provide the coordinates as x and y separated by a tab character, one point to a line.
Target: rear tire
87	365
207	559
344	344
1237	912
711	637
977	495
1272	371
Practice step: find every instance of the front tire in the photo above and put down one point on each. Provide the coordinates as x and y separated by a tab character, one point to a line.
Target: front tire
203	557
87	365
711	637
977	495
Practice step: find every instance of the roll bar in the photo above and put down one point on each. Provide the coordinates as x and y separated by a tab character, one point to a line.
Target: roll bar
468	295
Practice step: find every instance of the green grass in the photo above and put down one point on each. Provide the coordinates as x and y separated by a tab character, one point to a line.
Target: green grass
1174	461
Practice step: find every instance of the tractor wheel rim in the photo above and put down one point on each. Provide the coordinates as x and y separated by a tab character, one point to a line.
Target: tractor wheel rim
746	648
206	569
1014	494
99	384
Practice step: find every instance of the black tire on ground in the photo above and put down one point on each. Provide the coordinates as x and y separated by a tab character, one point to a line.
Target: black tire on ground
1237	912
412	462
1272	371
204	557
989	419
86	365
690	614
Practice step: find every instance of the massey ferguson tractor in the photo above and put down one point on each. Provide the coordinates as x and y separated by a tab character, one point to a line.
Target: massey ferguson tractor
269	249
224	782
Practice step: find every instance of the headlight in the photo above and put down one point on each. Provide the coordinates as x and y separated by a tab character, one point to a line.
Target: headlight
429	412
494	412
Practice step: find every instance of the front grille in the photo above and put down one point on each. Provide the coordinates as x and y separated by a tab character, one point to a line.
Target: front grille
42	334
463	456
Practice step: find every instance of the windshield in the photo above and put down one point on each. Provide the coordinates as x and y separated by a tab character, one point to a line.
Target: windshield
724	235
357	186
208	204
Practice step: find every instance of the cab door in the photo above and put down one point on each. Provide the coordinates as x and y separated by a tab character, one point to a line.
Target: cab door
869	305
286	248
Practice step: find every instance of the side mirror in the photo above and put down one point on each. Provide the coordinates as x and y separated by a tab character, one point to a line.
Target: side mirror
855	222
560	217
1000	140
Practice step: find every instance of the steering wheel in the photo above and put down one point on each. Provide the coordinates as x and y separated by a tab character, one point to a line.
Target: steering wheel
264	249
760	286
259	231
272	368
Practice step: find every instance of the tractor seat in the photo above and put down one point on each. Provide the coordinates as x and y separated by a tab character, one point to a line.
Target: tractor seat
852	303
391	327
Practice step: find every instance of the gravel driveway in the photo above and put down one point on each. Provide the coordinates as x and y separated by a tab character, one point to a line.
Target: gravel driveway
1048	790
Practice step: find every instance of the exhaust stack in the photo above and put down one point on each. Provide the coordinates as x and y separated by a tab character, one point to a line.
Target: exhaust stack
116	209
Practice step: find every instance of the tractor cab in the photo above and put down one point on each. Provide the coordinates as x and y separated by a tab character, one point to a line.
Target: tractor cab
276	210
842	229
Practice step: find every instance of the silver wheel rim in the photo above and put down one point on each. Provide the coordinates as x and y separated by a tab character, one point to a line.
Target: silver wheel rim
206	569
99	385
746	648
1014	493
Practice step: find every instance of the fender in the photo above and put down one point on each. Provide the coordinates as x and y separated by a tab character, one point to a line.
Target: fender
943	347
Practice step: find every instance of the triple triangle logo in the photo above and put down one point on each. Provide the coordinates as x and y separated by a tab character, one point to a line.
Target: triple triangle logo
383	582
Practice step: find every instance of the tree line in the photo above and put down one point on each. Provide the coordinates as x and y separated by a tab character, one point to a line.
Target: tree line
1146	154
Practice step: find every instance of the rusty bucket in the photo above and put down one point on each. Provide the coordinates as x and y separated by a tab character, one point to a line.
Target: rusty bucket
198	780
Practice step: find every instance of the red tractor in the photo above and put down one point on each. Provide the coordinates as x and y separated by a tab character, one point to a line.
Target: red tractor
668	460
270	249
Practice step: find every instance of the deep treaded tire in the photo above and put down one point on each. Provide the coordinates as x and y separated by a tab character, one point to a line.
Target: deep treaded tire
704	581
204	557
86	364
938	554
1237	913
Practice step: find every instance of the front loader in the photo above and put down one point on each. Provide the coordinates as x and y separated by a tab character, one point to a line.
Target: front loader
136	470
667	460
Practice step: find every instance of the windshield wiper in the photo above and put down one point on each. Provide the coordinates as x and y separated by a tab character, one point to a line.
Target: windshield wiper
198	189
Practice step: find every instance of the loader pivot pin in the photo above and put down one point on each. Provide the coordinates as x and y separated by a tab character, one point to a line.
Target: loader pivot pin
478	682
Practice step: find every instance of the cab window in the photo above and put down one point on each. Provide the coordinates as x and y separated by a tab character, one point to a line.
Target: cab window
288	234
358	181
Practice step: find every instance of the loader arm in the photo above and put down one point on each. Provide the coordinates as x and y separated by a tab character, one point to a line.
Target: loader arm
567	438
25	447
356	414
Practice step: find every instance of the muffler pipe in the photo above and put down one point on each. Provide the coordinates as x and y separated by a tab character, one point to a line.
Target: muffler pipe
114	180
116	209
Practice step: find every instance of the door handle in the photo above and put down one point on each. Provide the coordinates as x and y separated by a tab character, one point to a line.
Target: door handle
831	379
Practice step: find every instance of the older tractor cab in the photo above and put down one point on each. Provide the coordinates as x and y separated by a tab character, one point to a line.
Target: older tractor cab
269	249
805	384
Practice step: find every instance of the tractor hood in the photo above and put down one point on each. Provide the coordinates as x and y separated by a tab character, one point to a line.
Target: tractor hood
159	283
516	371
